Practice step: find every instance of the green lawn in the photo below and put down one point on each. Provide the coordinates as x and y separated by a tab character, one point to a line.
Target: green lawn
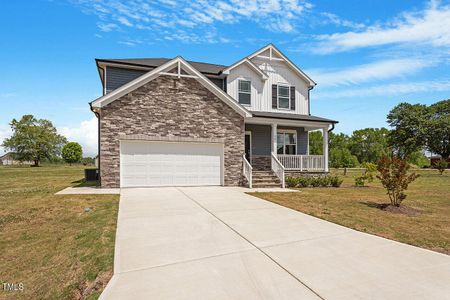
48	242
356	208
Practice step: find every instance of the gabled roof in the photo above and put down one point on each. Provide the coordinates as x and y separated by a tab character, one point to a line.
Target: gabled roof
247	61
272	49
163	69
156	62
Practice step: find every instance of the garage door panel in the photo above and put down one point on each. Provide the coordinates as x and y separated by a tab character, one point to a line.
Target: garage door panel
170	164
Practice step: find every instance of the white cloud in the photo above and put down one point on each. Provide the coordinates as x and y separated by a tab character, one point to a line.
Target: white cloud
124	21
330	18
107	27
163	18
86	134
430	26
388	89
384	69
5	132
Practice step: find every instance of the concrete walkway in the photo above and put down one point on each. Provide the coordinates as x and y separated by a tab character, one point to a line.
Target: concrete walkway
219	243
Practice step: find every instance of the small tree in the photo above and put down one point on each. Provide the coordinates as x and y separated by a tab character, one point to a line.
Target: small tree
395	178
72	152
441	165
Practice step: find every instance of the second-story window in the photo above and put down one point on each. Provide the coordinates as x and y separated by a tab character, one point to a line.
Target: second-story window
283	97
244	92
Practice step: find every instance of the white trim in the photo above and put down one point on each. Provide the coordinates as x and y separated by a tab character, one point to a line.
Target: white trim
255	68
278	96
149	76
123	66
272	48
248	93
177	75
284	131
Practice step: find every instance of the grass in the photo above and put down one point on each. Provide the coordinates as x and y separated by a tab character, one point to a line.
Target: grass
49	242
356	208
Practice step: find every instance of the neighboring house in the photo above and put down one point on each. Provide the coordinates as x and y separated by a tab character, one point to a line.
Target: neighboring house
8	160
171	122
435	158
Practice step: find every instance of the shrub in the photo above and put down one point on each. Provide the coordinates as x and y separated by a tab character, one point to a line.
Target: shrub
441	165
87	161
303	181
315	181
360	180
395	178
324	181
291	181
335	181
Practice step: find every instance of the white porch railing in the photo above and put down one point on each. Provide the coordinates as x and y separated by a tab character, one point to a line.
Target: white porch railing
277	168
248	170
303	162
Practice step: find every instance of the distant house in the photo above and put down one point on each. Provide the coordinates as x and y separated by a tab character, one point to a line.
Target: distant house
435	158
9	160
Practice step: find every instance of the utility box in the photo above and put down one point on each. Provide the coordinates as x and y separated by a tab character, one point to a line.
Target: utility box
91	174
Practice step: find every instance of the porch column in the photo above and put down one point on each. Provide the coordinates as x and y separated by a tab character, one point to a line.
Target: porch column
274	139
325	148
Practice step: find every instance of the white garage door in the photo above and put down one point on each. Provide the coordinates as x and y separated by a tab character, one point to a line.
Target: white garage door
170	164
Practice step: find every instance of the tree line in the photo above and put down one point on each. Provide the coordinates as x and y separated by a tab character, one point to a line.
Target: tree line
415	128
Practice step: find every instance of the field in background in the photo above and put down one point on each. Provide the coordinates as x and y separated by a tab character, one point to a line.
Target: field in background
58	246
356	207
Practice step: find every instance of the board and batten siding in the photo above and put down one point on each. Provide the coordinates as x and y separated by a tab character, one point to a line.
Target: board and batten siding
116	77
261	92
261	138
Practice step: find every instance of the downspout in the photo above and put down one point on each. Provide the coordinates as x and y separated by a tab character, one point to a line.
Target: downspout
98	143
332	127
309	100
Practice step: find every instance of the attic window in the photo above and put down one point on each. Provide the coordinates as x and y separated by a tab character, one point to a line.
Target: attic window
244	92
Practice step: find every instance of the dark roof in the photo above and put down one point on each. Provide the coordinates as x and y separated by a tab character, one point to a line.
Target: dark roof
286	116
156	62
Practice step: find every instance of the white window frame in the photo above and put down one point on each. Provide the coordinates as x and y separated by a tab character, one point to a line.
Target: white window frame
248	93
284	131
278	96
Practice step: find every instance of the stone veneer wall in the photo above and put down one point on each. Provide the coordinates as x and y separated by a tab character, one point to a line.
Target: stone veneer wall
170	107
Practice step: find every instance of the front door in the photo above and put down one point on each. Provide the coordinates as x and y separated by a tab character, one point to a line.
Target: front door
248	146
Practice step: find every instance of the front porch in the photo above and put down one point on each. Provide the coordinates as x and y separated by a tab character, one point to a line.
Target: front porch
281	146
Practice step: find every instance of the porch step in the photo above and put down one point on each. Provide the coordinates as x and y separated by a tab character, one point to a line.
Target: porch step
265	179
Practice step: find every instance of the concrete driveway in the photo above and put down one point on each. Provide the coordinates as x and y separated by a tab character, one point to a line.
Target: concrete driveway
219	243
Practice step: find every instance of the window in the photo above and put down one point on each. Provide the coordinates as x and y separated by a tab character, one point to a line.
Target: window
287	142
283	97
244	92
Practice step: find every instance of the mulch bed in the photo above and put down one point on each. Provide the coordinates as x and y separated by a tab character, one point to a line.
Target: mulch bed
406	210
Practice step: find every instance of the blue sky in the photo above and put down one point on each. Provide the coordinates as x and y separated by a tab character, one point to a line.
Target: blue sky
366	56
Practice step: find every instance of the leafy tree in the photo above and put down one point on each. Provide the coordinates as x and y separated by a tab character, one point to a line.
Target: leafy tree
338	141
342	158
369	144
437	128
395	178
315	143
34	139
408	134
72	152
418	159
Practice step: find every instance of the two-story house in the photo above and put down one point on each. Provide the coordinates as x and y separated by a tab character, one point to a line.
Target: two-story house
172	122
